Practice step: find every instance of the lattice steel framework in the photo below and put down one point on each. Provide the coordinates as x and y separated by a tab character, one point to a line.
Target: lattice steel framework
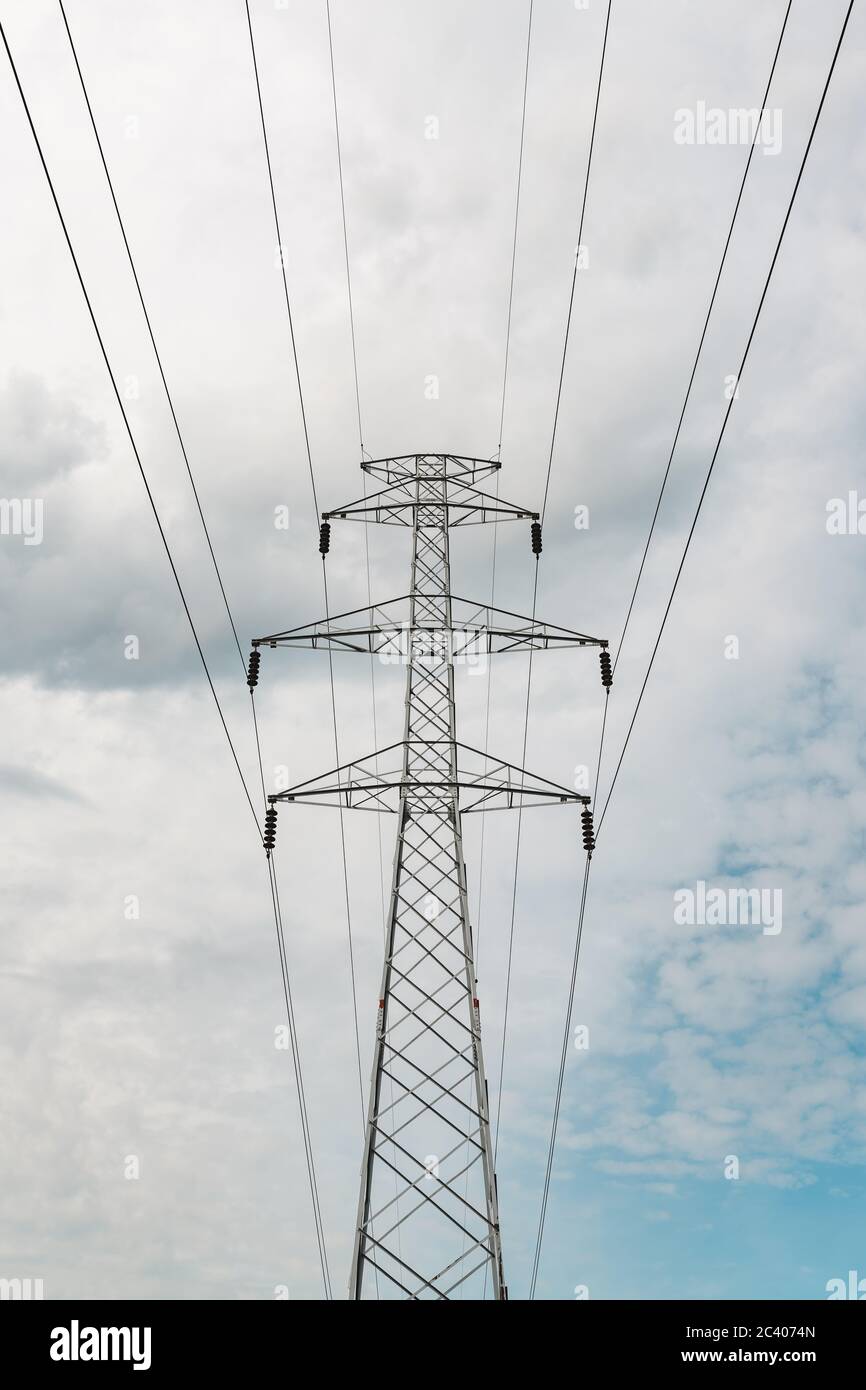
428	1217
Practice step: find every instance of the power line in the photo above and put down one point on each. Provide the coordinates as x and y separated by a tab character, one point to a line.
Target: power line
514	892
691	380
272	869
315	498
306	1134
501	424
535	581
133	444
546	1187
560	1080
702	339
151	333
345	870
282	258
600	746
514	238
299	1081
369	581
727	414
316	506
576	258
493	558
502	412
366	534
345	231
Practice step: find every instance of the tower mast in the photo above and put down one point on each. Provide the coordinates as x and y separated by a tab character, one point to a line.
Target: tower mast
428	1219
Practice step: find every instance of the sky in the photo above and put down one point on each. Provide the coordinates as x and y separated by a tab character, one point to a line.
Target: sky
712	1134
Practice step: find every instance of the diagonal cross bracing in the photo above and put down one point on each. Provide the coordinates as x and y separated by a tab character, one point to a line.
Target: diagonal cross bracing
427	1219
433	1118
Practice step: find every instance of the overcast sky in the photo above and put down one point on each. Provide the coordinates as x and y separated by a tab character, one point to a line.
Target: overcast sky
155	1038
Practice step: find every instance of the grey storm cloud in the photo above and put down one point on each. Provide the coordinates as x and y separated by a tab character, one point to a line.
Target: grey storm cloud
27	781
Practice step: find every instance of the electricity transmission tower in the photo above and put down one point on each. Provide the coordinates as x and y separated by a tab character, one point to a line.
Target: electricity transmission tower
428	1219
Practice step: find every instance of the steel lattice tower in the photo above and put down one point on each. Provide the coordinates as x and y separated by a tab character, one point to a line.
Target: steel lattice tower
428	1218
